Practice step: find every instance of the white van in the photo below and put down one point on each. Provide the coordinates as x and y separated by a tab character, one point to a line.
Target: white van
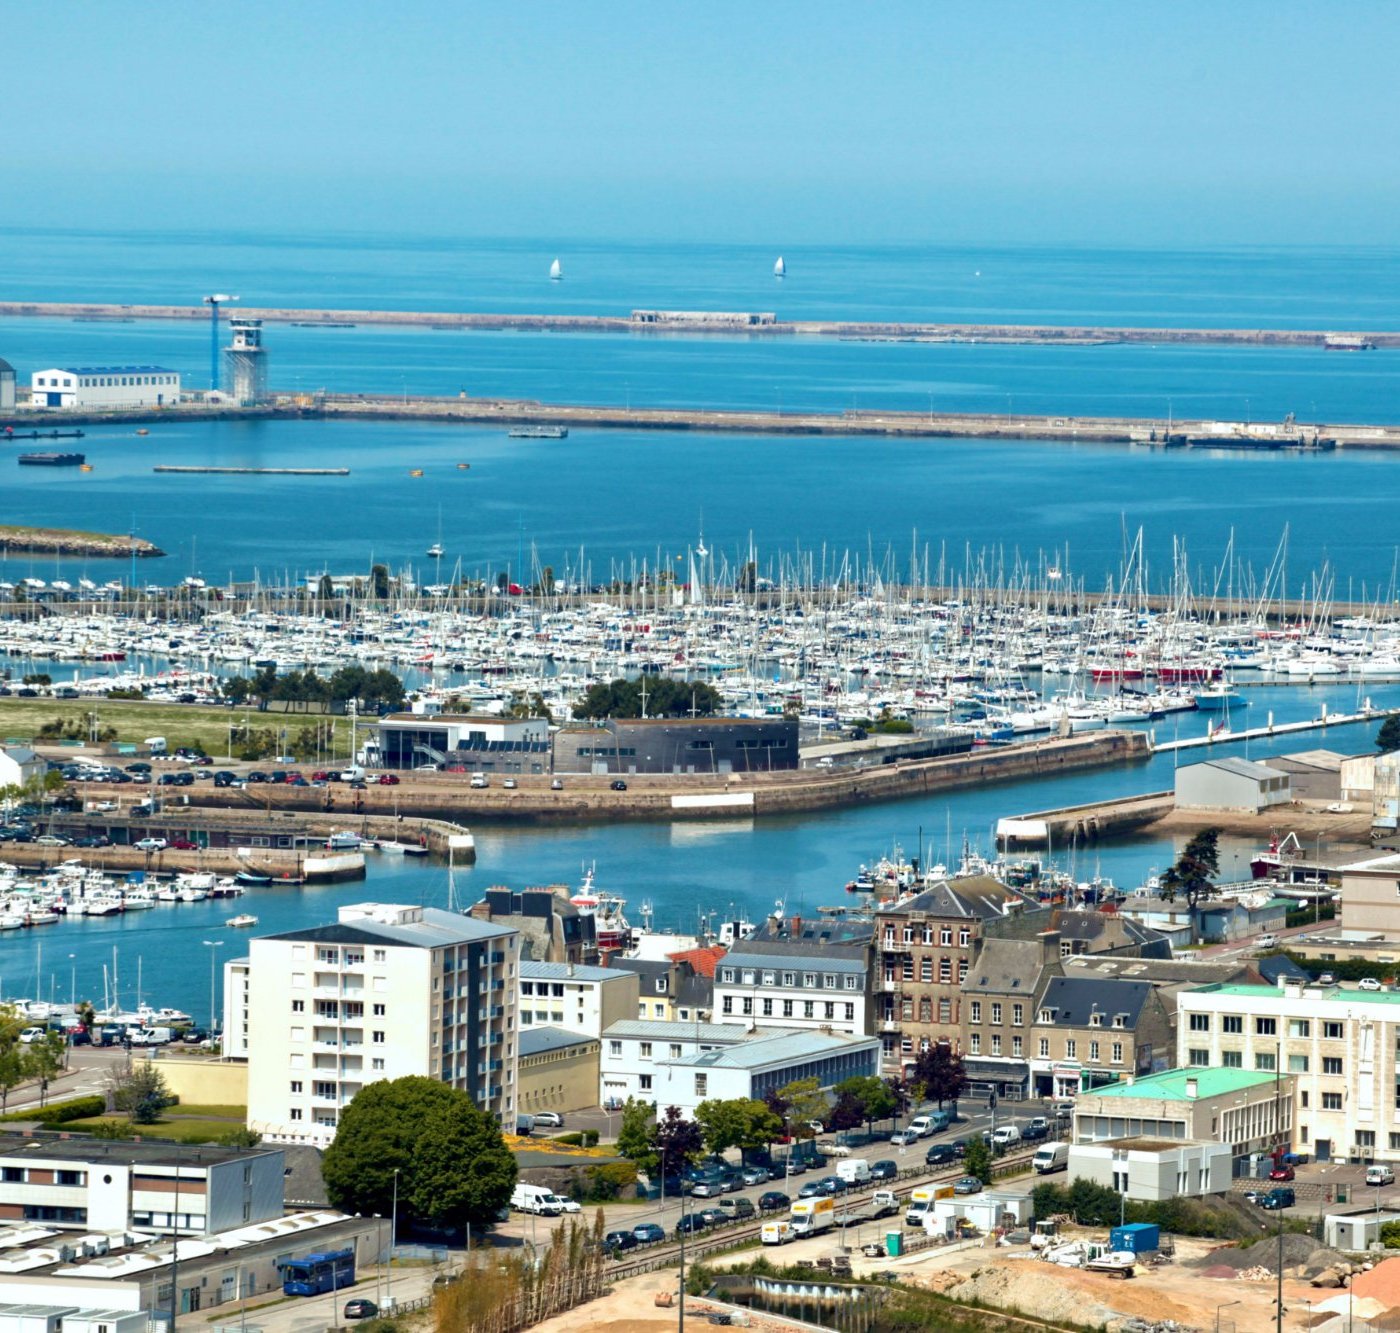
353	774
1380	1175
155	744
535	1199
1005	1135
1051	1157
922	1125
853	1170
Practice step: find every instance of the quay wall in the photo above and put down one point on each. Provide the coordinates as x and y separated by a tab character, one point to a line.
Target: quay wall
826	328
586	800
508	412
1095	821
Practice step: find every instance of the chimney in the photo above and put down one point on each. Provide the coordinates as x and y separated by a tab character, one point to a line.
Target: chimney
569	969
1193	1088
1129	1079
795	926
1049	946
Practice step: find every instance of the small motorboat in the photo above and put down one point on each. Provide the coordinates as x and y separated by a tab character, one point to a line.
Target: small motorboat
242	921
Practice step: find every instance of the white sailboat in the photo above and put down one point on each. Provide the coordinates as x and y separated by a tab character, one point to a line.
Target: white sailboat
556	271
780	268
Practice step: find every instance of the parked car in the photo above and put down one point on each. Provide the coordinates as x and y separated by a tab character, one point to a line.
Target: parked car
617	1241
31	1035
556	785
959	1147
360	1308
833	1185
388	779
1279	1197
510	784
53	840
618	784
691	1223
884	1170
773	1201
902	1138
1326	978
941	1154
549	1119
1368	983
967	1185
816	1127
736	1209
257	775
811	1189
1037	1128
1282	1173
648	1233
183	845
93	840
707	1189
1380	1175
713	1217
150	845
754	1175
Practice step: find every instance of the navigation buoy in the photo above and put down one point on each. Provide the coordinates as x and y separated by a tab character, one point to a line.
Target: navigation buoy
464	467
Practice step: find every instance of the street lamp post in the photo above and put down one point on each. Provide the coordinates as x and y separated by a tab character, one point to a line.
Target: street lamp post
1218	1309
393	1239
213	946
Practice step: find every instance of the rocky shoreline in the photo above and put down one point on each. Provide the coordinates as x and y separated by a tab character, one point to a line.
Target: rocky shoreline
62	541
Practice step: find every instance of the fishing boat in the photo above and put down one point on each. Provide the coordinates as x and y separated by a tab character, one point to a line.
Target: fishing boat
556	272
1218	697
538	433
780	268
435	551
344	840
609	924
249	880
243	921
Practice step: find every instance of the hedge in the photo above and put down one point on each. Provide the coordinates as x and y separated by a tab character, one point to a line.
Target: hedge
60	1113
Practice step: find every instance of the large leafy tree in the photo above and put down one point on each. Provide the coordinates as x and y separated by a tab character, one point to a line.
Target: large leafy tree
872	1097
1191	875
1388	738
451	1161
737	1123
805	1101
634	1137
938	1070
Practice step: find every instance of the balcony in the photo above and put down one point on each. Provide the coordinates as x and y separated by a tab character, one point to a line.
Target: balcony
889	1025
887	985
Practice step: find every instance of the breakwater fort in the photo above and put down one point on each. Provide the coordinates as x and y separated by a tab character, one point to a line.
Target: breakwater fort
750	323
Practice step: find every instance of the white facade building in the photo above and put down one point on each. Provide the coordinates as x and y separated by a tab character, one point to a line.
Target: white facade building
1150	1169
387	991
578	999
1339	1045
104	386
633	1049
18	764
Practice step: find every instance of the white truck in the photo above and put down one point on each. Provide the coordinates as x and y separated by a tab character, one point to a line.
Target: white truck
920	1205
809	1217
353	774
883	1203
777	1233
535	1199
1050	1157
853	1170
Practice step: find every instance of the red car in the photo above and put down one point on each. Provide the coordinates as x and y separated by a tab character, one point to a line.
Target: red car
183	845
1281	1173
320	775
388	779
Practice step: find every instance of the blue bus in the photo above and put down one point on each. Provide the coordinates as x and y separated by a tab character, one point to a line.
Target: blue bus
317	1273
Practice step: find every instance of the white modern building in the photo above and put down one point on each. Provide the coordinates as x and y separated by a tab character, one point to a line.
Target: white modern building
18	764
633	1049
578	999
767	1062
1339	1044
104	386
1230	784
386	991
1152	1169
480	742
80	1183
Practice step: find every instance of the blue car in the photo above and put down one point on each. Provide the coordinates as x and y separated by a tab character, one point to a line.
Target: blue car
649	1233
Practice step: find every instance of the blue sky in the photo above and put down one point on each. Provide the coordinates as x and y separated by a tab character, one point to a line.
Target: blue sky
1180	123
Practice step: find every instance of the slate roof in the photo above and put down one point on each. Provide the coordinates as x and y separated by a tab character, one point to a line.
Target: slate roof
978	897
1076	999
539	1040
1004	967
437	929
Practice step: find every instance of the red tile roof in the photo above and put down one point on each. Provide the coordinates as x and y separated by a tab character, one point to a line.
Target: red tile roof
702	960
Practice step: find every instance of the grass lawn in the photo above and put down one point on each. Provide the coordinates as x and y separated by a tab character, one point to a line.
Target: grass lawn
182	1130
180	724
201	1112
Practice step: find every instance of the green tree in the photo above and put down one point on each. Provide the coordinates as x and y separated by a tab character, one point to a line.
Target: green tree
737	1123
45	1059
846	1113
978	1161
12	1072
872	1096
938	1071
239	1138
462	1171
379	582
805	1101
325	589
141	1092
634	1136
1191	875
390	1126
664	698
1388	738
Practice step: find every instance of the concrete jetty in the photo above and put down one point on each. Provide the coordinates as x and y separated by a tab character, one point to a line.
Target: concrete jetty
662	323
260	471
1272	729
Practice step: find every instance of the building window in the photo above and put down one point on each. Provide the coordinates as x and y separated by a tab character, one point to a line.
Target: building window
831	981
1331	1064
809	1008
702	1085
1198	1057
1331	1101
747	1007
996	1013
1365	1138
945	935
996	1043
945	970
767	1007
1018	1015
644	1082
809	979
1093	1050
1232	1023
1117	1052
1071	1048
770	978
1200	1022
729	974
945	1011
1265	1027
645	1052
1265	1060
850	1013
906	970
926	969
1299	1027
976	1015
675	1050
974	1043
296	1086
852	982
1016	1046
727	1004
909	934
928	934
1043	1048
1297	1064
789	978
925	1010
787	1008
1332	1031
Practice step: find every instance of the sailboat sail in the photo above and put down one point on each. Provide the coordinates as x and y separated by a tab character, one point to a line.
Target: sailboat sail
780	268
556	271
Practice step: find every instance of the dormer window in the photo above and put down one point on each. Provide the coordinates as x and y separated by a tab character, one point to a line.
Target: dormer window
1047	1015
1096	1020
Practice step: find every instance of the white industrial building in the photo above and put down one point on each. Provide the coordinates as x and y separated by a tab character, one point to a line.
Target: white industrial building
1152	1169
763	1064
479	742
1231	784
386	991
18	764
633	1049
104	386
578	999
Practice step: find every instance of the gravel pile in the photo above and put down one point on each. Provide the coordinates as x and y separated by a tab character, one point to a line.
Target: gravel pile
1298	1252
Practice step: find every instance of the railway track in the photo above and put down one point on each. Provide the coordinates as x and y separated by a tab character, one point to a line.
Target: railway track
667	1253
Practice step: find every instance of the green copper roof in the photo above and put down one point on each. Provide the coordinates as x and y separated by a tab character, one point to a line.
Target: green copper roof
1170	1085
